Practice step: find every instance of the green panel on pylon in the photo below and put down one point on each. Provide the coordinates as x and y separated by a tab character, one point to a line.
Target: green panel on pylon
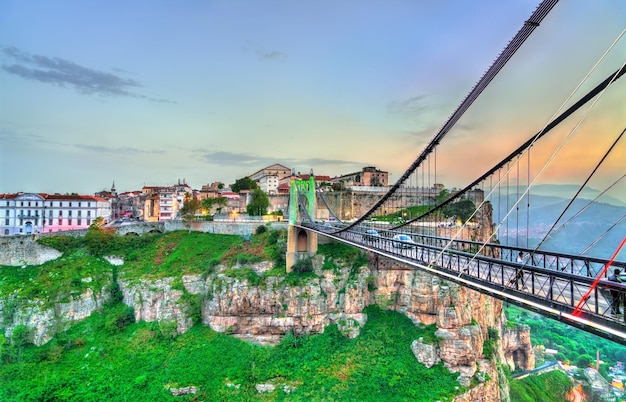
306	187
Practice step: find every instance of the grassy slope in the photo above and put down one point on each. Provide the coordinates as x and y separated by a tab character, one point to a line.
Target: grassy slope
548	387
90	362
104	357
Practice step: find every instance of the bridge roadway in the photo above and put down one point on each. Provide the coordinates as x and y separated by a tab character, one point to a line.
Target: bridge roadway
551	284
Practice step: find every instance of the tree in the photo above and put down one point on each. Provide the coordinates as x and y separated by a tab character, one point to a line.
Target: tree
584	361
461	209
98	238
208	203
245	183
443	195
191	205
188	212
259	203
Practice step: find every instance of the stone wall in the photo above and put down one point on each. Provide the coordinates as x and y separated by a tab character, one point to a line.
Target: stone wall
24	250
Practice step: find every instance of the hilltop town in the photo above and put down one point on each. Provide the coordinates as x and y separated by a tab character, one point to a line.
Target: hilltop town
29	213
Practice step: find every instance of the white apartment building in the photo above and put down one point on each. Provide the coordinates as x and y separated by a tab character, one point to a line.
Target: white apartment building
28	213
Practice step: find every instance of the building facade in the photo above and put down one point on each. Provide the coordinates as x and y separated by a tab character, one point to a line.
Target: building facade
368	176
29	213
269	177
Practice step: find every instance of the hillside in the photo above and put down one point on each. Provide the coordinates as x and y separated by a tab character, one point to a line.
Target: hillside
581	231
168	319
96	360
110	356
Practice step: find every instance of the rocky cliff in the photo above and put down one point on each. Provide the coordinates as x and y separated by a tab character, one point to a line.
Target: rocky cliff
469	324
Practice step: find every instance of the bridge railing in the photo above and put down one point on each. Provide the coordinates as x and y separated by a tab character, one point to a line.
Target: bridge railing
587	266
560	281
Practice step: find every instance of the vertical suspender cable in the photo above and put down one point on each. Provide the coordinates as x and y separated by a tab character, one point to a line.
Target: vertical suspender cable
528	198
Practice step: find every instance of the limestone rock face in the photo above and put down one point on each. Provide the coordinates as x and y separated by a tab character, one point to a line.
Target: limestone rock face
264	314
517	348
425	353
46	319
160	300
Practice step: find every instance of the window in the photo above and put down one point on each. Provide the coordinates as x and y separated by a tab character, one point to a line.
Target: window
50	221
88	222
79	204
78	221
7	212
69	213
29	203
6	221
88	213
60	220
50	213
79	213
70	203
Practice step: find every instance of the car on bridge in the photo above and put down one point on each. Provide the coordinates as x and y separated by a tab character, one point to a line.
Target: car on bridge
403	241
371	235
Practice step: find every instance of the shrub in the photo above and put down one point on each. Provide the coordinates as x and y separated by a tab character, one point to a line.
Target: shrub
303	265
117	317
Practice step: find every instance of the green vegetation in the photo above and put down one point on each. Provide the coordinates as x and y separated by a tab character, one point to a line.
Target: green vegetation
549	387
461	209
245	183
107	358
348	255
403	215
67	276
573	345
258	204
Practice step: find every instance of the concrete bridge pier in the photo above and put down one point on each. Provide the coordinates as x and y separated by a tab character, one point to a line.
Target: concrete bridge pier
300	244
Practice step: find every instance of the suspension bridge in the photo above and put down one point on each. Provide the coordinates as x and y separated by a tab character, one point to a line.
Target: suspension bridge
479	236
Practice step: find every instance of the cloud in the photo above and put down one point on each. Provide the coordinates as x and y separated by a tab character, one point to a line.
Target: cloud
256	162
274	55
18	138
411	106
65	73
121	150
264	55
231	158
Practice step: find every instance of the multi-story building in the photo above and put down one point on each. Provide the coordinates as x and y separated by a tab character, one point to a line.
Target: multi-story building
269	177
162	203
368	176
28	213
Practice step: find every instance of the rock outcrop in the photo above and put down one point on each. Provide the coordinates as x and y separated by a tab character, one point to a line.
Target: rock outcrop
46	319
517	348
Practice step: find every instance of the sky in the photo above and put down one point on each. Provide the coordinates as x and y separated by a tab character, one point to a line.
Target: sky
153	92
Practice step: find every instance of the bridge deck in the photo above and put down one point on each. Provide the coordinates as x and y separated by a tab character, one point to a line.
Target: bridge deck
550	284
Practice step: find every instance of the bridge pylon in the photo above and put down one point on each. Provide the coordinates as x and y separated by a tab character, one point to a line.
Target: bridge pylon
300	242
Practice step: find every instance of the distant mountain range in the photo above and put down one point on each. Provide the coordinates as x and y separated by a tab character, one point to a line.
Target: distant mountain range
601	224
